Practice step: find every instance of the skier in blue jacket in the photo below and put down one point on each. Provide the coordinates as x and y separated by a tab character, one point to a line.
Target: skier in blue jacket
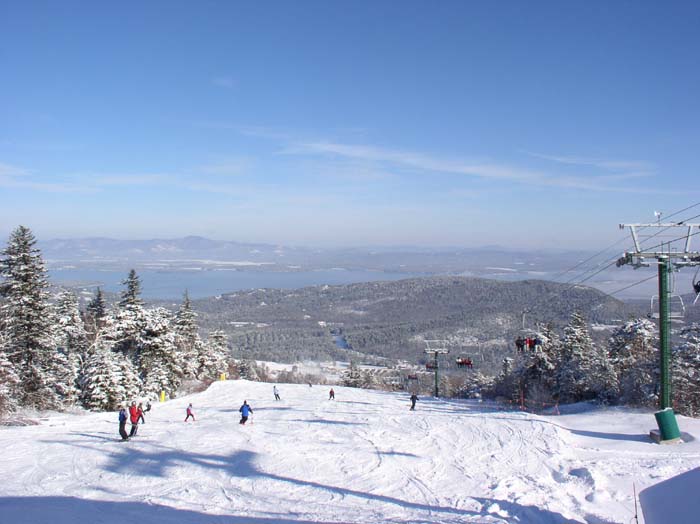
122	423
245	410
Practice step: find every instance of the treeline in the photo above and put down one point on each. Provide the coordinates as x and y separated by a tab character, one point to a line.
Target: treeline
571	367
54	355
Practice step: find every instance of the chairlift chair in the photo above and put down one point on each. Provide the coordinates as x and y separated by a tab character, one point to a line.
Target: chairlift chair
676	307
464	362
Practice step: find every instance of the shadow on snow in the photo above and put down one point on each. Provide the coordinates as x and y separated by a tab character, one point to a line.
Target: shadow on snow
242	465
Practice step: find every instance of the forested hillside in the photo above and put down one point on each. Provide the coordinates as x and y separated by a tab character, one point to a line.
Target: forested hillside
392	319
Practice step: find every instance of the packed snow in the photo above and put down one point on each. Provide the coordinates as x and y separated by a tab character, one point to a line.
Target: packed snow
362	458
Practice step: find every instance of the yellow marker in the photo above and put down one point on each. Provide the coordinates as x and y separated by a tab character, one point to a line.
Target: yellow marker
223	376
162	396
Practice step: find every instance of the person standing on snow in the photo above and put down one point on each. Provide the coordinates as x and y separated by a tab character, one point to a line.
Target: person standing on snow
122	423
331	394
134	418
414	398
142	420
245	410
277	394
189	414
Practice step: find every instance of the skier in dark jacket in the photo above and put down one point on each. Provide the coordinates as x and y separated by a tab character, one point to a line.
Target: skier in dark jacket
245	410
134	418
414	398
142	420
331	394
122	423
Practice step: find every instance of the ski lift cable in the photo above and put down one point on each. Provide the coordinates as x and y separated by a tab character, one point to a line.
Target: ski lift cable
642	242
612	262
632	285
676	239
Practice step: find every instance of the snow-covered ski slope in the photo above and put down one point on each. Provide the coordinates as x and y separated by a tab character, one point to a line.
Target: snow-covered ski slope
363	458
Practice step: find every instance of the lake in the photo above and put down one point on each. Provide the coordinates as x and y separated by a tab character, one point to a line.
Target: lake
208	283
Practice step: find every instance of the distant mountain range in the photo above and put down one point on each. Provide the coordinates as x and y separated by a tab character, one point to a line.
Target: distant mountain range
107	253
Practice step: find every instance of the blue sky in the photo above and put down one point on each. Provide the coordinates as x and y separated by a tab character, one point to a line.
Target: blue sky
528	124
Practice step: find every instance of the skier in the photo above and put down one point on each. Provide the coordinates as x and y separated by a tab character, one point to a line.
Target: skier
277	395
331	394
148	406
141	419
122	423
414	398
189	414
520	343
245	410
134	417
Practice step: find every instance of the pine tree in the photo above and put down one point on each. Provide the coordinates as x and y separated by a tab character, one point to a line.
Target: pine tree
158	358
187	337
353	376
685	371
634	355
25	319
131	296
536	370
96	311
213	360
584	371
70	338
101	378
9	381
129	383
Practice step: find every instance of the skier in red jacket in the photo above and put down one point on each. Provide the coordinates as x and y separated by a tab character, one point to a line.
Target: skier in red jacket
189	413
134	417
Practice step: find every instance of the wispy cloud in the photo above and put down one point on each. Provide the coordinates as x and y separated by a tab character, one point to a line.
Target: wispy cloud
10	171
52	147
15	177
129	179
227	82
228	167
606	164
485	170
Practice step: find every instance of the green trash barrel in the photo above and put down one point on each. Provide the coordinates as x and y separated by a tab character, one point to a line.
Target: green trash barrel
668	426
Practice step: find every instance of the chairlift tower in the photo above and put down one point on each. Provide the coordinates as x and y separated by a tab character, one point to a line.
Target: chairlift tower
672	256
435	348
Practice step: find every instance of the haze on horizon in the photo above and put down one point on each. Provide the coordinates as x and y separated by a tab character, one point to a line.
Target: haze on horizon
312	124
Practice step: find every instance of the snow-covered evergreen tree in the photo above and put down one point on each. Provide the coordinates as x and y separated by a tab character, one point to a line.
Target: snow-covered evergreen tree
9	381
584	371
96	311
634	355
536	370
101	379
158	360
187	337
25	319
131	296
125	327
352	377
130	385
71	340
214	357
685	371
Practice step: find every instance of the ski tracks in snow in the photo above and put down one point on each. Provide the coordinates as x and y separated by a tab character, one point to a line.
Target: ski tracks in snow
363	458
